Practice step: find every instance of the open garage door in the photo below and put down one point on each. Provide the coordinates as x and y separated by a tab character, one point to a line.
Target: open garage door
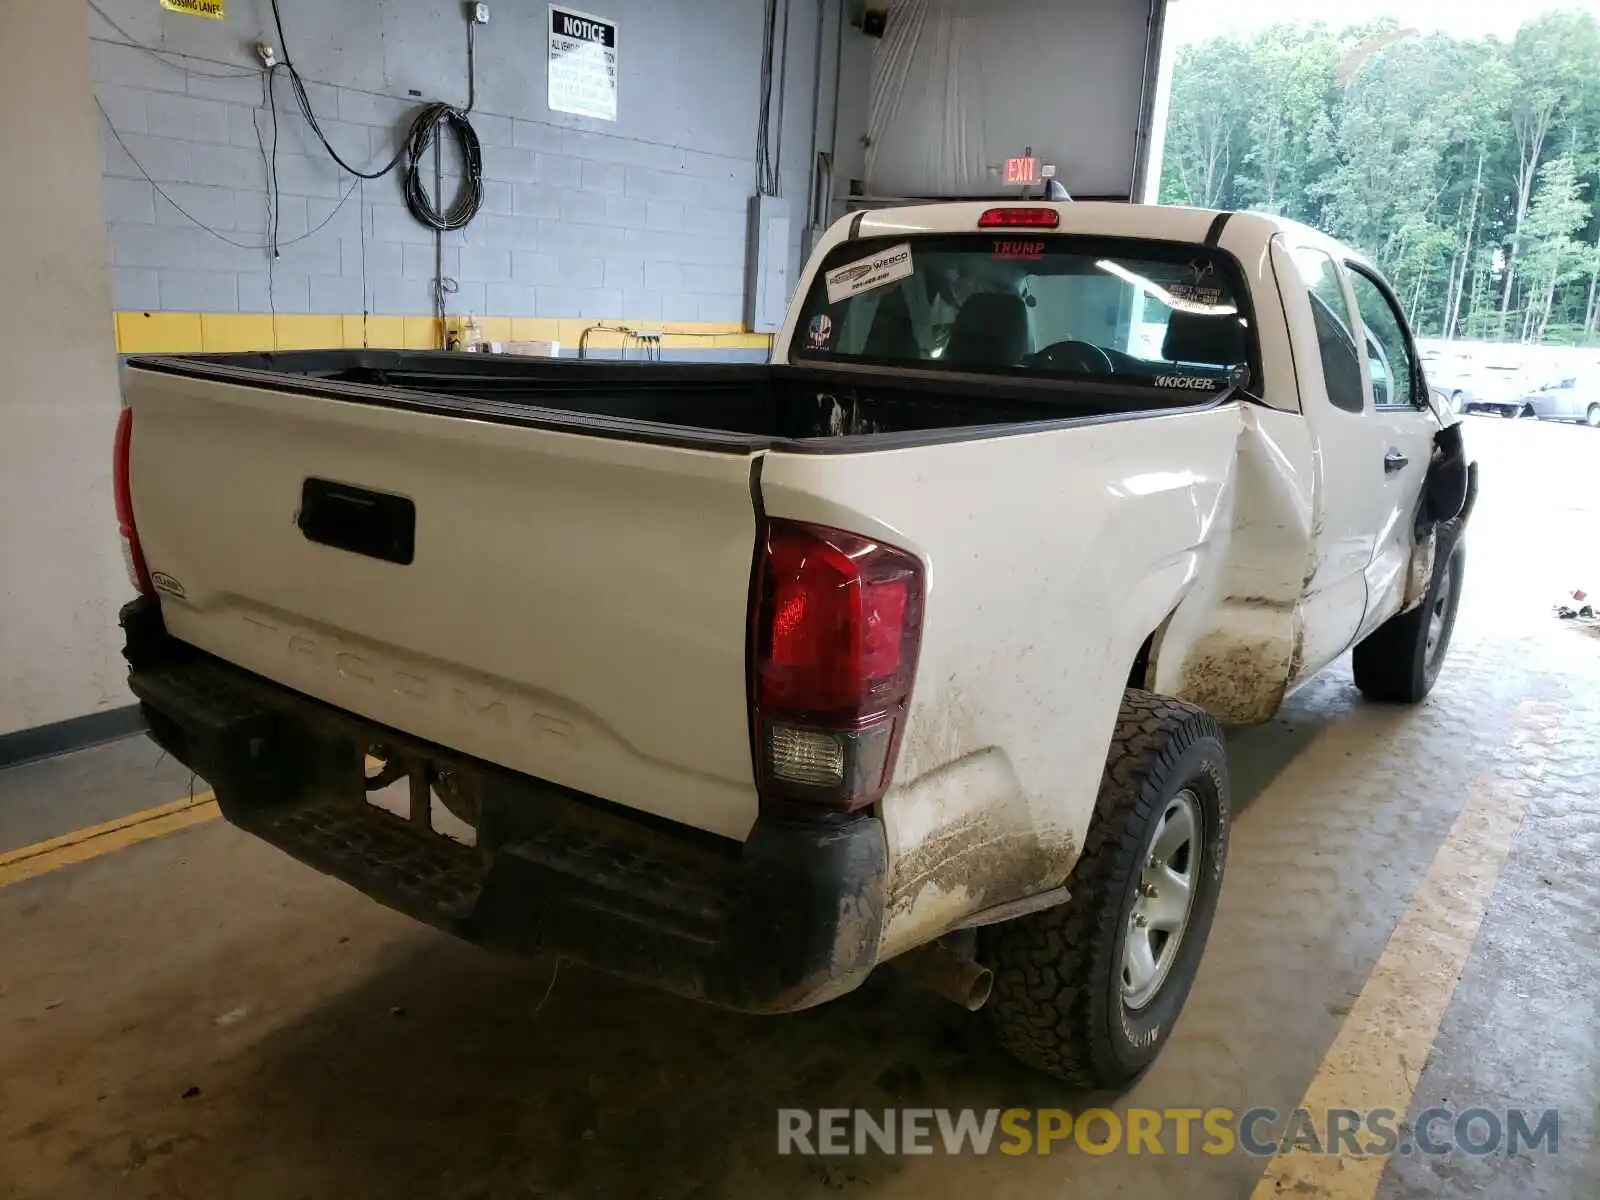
961	86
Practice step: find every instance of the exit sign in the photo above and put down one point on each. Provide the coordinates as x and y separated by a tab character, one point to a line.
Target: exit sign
1022	170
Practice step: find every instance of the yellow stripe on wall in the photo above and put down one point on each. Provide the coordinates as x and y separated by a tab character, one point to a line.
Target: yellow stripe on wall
215	333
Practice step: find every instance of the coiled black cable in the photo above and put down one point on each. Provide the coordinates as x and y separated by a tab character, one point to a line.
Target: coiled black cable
419	139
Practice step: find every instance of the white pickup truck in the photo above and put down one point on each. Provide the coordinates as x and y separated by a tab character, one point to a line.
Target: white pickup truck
742	680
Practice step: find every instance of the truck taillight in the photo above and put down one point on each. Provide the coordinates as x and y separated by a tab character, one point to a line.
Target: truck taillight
138	573
837	628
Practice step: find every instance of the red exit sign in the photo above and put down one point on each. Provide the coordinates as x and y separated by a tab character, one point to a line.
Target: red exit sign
1022	170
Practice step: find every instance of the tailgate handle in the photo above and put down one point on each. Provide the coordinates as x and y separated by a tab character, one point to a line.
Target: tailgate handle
374	524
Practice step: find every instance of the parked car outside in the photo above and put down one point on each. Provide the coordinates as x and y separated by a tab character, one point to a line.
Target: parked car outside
1446	372
1571	396
1491	389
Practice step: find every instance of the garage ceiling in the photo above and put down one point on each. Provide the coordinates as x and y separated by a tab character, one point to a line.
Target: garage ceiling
959	86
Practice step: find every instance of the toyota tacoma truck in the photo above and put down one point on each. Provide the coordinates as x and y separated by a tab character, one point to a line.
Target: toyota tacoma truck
742	680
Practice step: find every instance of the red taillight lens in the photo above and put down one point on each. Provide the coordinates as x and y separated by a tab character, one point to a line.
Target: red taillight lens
836	632
138	573
1019	218
838	623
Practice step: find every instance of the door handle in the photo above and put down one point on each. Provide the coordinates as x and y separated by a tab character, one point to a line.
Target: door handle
1394	461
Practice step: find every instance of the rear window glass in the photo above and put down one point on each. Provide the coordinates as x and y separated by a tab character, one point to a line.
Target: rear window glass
1156	314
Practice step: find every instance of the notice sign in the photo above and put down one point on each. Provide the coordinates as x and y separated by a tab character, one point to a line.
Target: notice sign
196	8
583	64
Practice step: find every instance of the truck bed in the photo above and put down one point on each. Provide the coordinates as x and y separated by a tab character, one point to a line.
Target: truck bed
743	407
547	566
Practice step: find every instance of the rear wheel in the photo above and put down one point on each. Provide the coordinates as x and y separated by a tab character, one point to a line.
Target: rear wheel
1592	417
1088	991
1399	661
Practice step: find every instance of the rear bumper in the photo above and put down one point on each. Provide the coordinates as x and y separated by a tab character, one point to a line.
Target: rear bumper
787	919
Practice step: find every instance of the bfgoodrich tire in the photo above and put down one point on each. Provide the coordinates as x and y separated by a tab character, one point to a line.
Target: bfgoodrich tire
1074	994
1399	661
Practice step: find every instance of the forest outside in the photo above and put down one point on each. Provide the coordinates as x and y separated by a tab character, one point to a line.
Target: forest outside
1467	168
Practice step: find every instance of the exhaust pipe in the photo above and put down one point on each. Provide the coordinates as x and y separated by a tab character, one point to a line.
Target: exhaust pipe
942	970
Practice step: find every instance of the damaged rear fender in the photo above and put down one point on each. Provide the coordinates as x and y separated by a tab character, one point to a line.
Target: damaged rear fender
1240	665
962	839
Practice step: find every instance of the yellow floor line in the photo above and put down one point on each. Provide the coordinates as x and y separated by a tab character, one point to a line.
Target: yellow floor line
83	844
1377	1058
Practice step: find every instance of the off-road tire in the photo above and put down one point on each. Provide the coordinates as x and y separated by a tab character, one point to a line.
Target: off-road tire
1058	1002
1391	663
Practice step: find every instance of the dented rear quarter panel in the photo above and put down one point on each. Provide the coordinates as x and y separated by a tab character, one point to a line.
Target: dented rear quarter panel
1050	557
1237	643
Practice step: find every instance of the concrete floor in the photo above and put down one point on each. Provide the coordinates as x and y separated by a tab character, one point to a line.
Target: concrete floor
199	1016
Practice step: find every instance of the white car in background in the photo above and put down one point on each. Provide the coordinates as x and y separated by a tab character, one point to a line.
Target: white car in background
1573	395
1497	388
1450	374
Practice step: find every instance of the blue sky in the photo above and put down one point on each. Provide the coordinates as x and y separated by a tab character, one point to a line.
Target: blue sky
1196	20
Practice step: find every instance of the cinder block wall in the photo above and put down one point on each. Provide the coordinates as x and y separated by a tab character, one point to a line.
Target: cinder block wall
639	222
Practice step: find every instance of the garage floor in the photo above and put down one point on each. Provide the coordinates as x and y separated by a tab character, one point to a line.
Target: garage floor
1411	918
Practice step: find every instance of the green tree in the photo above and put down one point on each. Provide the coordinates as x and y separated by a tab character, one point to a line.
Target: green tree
1465	168
1207	125
1553	255
1290	90
1553	62
1481	101
1387	184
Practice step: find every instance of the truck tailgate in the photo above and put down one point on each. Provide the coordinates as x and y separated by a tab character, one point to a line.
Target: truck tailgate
574	607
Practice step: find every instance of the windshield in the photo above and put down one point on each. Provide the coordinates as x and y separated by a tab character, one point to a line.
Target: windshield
1012	302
